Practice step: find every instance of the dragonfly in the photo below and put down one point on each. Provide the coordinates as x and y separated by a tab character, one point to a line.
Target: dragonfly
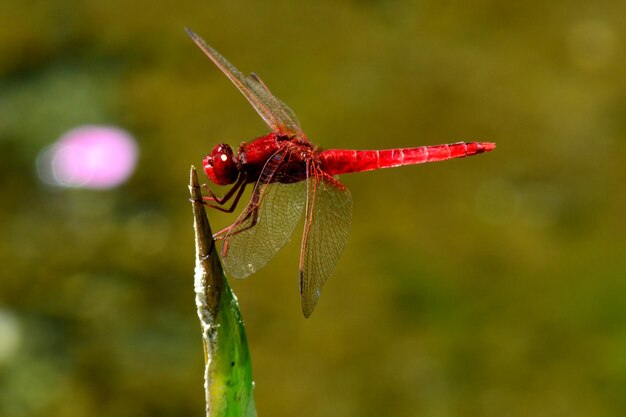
291	177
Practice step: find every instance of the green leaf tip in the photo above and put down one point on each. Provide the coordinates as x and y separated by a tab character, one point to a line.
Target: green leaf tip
228	371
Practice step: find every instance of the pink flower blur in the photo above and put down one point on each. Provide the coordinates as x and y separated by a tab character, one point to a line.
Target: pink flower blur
90	157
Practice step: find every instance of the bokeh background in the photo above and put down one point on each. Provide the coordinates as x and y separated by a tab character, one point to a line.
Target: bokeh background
488	286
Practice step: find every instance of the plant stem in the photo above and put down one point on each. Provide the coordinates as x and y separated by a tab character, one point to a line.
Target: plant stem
228	373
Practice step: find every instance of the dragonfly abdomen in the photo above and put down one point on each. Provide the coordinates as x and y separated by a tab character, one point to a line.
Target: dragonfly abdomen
340	161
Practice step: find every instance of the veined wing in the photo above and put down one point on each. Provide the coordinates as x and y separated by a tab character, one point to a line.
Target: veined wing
274	112
266	224
326	229
279	108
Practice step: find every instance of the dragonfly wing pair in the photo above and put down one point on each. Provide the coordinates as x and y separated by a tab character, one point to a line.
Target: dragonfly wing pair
271	217
275	209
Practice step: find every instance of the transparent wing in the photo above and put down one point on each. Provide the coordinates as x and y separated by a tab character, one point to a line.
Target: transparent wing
279	108
326	229
267	223
274	112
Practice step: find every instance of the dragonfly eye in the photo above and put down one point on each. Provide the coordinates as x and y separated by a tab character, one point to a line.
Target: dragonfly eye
220	165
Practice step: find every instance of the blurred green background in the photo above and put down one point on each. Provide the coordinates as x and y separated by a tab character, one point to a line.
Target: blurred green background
486	286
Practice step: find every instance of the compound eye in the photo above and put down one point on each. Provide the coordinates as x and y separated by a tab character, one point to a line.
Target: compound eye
220	165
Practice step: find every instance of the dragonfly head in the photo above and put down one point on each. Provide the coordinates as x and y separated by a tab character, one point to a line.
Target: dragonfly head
220	165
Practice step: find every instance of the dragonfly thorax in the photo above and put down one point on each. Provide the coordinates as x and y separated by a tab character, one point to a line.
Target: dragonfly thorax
220	165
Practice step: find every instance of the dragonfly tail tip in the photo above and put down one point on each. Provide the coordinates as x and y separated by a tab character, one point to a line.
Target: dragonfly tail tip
487	146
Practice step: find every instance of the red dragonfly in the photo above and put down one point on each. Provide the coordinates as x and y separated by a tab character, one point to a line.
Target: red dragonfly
291	176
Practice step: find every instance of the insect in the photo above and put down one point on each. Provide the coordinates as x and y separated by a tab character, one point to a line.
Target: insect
291	176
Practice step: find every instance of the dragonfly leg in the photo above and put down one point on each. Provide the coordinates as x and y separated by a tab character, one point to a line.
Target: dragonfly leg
222	233
254	213
236	190
251	211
